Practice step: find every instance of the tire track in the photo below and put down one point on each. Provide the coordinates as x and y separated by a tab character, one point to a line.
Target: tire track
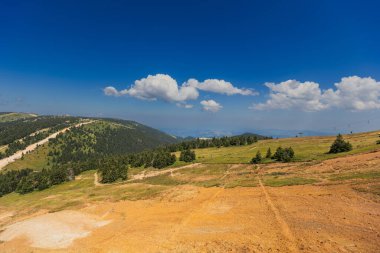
144	175
287	233
185	221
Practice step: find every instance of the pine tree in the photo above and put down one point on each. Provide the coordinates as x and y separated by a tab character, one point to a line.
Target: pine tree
340	145
269	153
187	155
257	159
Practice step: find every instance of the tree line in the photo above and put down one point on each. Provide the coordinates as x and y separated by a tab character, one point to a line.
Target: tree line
225	141
26	180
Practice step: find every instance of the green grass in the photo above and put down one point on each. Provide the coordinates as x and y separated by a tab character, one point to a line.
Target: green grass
164	179
373	189
306	149
76	194
356	175
216	182
207	169
36	160
242	182
288	181
178	164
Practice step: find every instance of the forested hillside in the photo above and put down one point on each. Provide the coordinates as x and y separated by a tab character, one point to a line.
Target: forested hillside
105	137
81	148
17	134
110	146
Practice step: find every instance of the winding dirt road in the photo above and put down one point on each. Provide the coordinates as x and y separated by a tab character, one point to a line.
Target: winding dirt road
5	161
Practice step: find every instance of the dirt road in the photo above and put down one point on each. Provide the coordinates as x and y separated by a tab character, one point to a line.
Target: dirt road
144	175
5	161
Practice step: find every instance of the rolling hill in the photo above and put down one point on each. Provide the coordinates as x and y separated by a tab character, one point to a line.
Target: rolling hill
12	116
102	136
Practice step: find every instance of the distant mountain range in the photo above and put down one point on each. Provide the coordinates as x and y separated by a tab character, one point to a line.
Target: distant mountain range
275	133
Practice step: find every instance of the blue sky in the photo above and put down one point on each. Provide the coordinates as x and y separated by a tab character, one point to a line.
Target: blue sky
57	57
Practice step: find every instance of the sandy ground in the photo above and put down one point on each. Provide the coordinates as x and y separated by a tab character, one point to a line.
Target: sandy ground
4	162
192	219
53	230
309	218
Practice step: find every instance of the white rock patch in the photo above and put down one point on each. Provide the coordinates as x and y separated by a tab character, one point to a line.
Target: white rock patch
53	230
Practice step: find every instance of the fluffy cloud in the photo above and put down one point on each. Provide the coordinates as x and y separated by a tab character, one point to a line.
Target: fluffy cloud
110	91
211	105
218	86
352	93
293	94
163	87
159	86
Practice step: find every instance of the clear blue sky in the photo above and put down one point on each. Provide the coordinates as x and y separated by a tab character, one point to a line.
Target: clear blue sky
57	57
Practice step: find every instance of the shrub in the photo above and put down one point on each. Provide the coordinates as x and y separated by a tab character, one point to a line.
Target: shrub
187	155
27	184
112	169
163	159
283	154
257	159
340	145
269	153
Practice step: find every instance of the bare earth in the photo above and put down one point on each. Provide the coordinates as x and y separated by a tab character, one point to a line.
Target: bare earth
53	230
324	217
5	161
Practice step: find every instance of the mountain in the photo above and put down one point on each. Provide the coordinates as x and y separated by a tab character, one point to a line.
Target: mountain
259	137
98	136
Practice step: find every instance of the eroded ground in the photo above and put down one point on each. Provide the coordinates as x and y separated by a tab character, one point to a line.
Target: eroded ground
332	206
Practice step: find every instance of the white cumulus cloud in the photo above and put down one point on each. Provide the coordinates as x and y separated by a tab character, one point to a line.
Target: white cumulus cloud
164	87
351	93
354	93
211	105
293	94
218	86
160	87
111	91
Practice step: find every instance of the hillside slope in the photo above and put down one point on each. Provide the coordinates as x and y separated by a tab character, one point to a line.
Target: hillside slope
12	116
107	137
102	137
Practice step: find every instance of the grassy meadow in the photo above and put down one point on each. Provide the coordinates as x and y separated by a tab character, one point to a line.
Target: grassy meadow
36	160
306	149
225	167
